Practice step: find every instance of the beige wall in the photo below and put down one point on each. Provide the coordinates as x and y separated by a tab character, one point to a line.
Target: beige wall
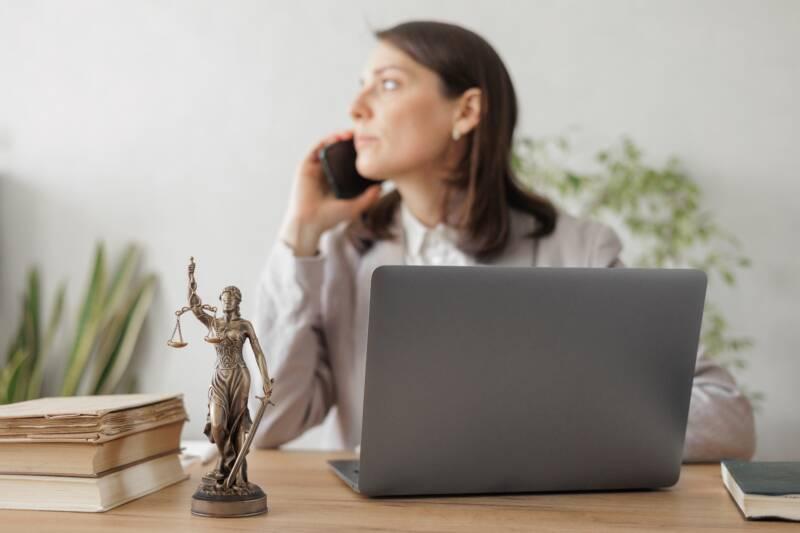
178	124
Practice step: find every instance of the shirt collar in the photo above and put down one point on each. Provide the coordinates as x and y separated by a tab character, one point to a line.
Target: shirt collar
414	229
522	223
417	233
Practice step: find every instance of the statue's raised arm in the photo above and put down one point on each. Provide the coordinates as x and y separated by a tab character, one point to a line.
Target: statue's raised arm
195	303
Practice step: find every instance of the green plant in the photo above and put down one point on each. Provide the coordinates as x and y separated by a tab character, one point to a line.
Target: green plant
108	325
660	209
21	376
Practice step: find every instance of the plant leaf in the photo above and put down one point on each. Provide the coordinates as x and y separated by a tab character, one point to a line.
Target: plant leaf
10	375
109	339
35	384
88	325
134	319
31	338
120	287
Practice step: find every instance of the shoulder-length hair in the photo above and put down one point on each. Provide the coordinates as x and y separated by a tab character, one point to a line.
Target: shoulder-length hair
463	59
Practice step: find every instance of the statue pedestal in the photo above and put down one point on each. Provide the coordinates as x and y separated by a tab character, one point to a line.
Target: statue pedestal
212	500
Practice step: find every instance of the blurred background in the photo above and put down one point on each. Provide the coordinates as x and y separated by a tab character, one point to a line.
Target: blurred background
177	126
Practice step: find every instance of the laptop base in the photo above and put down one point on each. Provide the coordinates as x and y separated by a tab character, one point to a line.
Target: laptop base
347	470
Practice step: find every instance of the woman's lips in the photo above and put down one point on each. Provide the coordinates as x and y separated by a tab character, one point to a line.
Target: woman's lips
363	140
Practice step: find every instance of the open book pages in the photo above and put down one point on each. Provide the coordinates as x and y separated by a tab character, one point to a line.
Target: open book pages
88	418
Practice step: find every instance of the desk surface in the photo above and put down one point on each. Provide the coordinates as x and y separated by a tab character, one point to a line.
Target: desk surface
304	495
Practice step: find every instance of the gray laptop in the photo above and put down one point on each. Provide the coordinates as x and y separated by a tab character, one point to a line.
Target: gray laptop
486	379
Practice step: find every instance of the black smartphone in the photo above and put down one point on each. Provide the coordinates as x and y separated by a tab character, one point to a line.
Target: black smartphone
339	164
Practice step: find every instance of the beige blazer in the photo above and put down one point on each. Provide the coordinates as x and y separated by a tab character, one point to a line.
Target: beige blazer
311	319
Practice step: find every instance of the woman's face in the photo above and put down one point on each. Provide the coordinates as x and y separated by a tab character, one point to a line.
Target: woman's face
402	122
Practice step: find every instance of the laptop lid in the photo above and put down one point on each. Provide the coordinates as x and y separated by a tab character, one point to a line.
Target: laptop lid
486	379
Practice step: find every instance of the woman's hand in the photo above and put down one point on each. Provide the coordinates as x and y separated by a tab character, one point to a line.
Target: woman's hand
313	209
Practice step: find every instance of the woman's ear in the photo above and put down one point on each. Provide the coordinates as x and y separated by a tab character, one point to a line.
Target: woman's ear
468	111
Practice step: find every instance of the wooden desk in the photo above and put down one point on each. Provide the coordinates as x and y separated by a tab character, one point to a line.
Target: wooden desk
304	495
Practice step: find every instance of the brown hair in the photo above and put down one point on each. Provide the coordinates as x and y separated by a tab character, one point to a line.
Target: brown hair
463	59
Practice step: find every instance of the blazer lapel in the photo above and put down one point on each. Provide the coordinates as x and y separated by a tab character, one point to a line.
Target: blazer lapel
383	252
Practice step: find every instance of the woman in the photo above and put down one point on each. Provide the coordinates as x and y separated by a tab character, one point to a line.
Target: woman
435	115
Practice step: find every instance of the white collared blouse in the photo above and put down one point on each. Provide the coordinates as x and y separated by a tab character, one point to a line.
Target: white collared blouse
430	246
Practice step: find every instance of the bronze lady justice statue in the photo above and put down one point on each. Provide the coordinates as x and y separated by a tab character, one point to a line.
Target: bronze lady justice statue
225	491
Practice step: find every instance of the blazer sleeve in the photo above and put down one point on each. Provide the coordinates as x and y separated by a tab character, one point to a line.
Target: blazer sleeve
721	424
289	325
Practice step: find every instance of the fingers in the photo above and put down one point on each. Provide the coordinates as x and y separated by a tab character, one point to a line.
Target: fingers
340	135
361	202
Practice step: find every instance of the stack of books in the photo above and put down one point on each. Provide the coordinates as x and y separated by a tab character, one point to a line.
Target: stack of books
88	453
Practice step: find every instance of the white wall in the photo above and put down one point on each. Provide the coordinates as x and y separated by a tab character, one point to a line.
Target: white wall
179	124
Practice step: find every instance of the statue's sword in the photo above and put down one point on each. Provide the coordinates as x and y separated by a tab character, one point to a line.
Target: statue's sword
243	452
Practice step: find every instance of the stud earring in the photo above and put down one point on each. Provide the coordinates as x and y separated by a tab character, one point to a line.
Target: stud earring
456	134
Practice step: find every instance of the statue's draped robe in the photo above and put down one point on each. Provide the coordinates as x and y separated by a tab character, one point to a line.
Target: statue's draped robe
229	390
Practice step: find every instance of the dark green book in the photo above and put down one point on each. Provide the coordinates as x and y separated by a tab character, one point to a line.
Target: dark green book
764	489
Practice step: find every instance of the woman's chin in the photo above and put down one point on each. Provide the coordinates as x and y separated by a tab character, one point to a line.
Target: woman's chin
370	170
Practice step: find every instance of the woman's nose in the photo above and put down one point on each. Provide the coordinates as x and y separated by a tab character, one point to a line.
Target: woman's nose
359	108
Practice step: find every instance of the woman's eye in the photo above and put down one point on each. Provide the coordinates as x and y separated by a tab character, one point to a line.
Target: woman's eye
389	84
